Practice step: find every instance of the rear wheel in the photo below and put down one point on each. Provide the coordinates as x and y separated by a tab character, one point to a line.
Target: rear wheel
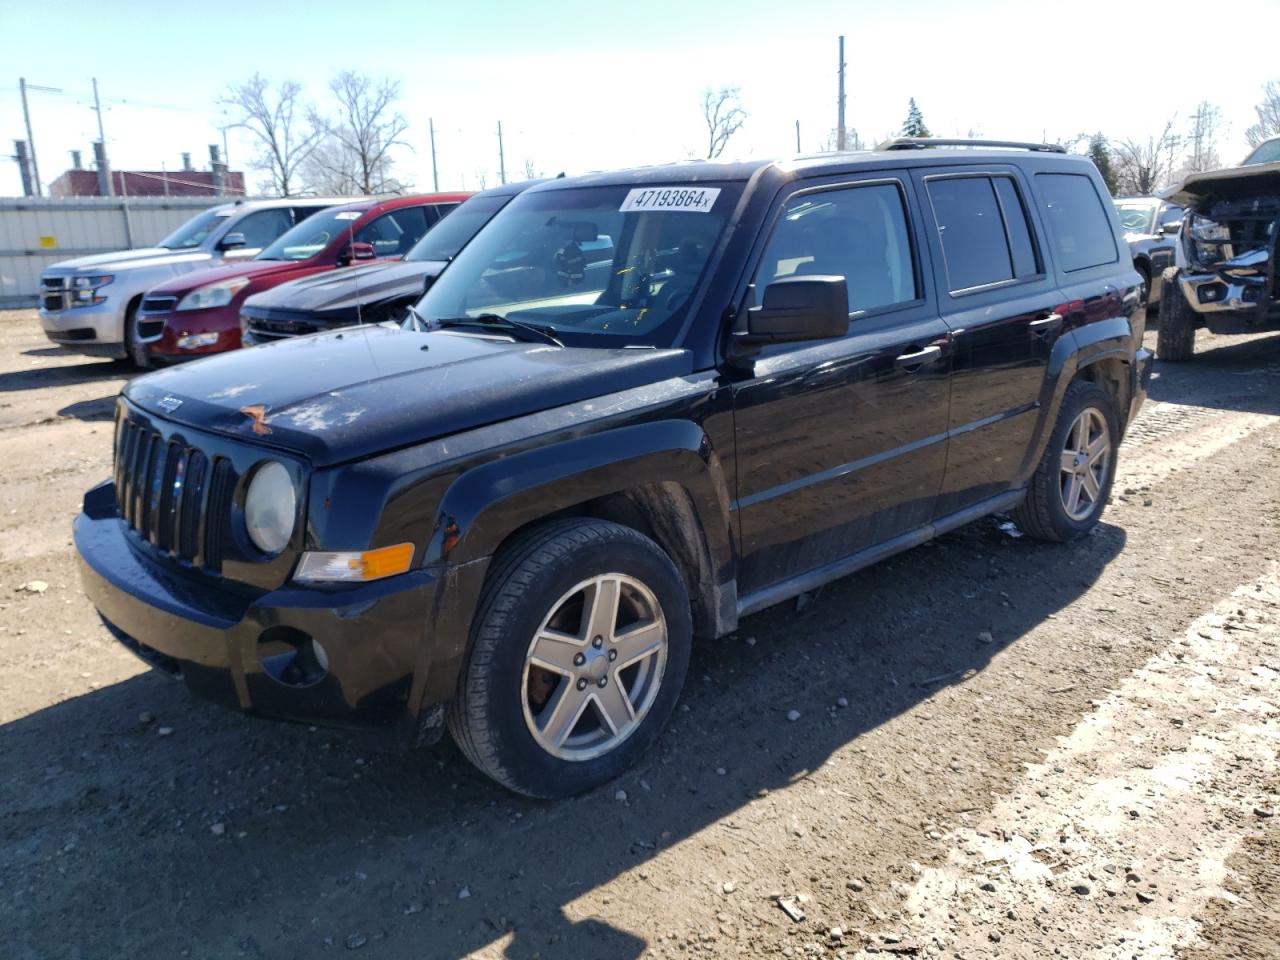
1069	490
579	651
1177	337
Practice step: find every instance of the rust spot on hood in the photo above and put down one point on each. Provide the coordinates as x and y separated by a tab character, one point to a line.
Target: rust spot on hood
258	414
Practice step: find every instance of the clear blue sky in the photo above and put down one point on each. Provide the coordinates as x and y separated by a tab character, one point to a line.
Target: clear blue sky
581	86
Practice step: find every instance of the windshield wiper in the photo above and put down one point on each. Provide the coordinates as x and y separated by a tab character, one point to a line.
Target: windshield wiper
526	332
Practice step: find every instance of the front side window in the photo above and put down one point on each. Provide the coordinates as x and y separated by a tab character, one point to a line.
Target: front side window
312	235
597	266
984	231
1078	225
192	233
1171	215
859	233
394	234
1266	152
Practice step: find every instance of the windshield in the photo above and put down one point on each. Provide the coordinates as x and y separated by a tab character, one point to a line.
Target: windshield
311	236
601	266
455	231
1268	152
192	233
1137	217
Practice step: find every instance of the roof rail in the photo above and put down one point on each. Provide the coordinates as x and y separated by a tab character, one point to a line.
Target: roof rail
924	143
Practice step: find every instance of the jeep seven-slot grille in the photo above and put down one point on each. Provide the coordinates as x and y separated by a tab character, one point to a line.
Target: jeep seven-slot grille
172	495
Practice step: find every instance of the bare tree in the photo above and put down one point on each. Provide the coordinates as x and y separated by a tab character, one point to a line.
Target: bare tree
724	115
1202	140
275	119
360	134
530	171
1268	112
482	177
851	141
1143	167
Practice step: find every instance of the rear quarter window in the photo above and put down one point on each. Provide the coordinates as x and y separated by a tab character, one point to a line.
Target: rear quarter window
1079	229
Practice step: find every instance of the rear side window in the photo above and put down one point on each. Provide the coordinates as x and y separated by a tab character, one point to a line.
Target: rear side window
1078	225
859	233
984	231
261	229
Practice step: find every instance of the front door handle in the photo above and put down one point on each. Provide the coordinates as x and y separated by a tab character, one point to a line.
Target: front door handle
919	357
1045	324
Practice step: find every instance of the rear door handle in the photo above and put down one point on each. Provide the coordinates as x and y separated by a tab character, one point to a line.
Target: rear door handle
919	357
1046	324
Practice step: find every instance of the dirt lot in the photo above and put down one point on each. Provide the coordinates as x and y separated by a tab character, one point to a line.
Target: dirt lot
1004	748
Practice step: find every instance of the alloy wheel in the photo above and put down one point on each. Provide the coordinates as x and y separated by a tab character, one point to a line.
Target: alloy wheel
1086	457
594	667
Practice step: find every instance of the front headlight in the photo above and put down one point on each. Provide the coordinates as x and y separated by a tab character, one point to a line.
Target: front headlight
86	289
270	507
213	295
1204	240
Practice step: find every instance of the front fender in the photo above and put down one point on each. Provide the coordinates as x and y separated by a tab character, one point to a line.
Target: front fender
484	505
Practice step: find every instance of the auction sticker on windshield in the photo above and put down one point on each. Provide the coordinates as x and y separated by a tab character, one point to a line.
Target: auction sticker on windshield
682	199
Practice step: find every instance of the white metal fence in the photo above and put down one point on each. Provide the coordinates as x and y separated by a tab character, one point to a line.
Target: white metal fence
36	232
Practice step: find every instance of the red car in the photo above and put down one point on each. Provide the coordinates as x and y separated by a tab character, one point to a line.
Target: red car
199	313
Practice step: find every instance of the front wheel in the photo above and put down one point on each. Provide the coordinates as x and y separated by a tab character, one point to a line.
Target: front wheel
578	653
1070	487
1176	340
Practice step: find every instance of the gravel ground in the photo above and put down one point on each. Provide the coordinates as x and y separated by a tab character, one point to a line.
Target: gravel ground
1004	749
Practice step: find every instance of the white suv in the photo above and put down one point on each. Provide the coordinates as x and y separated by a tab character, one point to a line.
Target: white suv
88	305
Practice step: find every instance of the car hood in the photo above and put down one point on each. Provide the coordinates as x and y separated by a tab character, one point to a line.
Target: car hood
345	289
366	390
180	286
128	260
1235	183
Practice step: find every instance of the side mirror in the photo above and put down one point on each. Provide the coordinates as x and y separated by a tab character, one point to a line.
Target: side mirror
1171	229
428	280
231	241
799	308
361	251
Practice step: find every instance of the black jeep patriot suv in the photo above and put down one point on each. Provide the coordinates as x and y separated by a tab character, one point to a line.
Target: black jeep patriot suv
645	404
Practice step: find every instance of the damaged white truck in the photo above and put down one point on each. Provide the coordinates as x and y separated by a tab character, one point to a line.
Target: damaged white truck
1225	273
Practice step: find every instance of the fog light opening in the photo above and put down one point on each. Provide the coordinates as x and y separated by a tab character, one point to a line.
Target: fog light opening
292	658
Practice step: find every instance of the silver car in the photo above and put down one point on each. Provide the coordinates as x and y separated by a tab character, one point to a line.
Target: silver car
88	305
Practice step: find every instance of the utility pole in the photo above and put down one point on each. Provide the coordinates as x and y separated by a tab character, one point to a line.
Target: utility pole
502	163
840	102
97	105
435	175
31	143
797	136
24	165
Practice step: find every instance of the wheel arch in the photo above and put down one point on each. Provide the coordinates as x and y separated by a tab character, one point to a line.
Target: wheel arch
671	486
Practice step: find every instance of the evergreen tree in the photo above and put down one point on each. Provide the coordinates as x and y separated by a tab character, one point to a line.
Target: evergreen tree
914	125
1100	154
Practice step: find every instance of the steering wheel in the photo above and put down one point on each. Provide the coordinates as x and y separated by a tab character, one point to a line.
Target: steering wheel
570	264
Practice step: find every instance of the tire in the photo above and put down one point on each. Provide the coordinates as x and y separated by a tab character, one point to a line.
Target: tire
1046	513
138	354
1144	271
504	718
1176	340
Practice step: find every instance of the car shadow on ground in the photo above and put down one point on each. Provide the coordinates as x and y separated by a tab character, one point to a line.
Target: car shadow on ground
44	377
234	836
1243	376
91	411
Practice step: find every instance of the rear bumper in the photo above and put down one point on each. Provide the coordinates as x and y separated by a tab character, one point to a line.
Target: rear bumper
253	650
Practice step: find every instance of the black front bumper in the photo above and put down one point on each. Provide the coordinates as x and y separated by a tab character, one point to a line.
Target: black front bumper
251	649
